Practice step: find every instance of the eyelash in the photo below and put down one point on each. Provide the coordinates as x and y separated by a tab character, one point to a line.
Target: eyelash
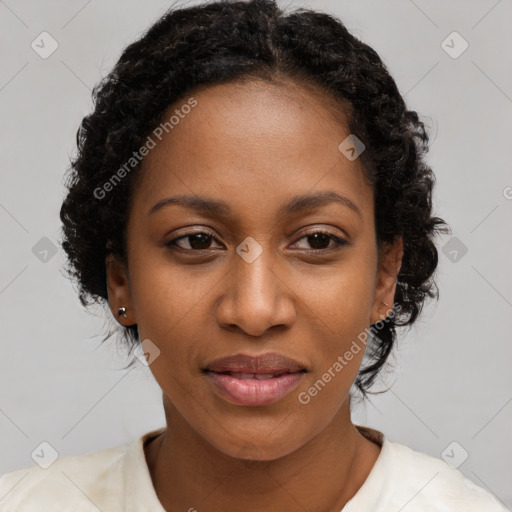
338	242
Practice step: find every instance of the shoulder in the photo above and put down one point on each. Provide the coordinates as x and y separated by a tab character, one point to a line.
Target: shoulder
85	480
428	483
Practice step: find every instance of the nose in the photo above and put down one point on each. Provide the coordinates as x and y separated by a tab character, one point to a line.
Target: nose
256	297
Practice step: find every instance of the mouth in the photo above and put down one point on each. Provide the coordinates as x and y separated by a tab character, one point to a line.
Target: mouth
254	381
254	389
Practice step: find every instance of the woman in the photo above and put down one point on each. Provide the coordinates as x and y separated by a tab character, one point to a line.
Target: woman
250	199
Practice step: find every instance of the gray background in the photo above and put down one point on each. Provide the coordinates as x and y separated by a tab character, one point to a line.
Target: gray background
452	378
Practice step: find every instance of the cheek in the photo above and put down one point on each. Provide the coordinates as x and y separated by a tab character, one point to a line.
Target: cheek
178	342
167	310
342	295
337	363
164	294
343	303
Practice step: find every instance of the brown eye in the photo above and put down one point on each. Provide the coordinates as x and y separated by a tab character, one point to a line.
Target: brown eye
198	241
320	240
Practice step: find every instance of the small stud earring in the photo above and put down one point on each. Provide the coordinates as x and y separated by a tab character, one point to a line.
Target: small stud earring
122	311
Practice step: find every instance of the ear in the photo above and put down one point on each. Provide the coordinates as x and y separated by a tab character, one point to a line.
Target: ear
118	289
390	262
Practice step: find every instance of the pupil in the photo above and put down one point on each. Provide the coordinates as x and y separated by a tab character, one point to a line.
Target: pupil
204	241
317	240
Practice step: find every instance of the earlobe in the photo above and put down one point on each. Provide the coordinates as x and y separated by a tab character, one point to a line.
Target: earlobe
390	263
118	289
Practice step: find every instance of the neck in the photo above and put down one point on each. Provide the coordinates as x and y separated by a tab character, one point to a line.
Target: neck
189	473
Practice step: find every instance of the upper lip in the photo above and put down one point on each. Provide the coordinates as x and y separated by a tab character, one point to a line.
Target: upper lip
270	362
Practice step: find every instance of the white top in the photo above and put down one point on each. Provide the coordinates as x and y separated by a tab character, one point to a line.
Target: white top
117	479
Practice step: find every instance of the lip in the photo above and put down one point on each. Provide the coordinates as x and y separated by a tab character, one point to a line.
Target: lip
252	392
225	375
270	362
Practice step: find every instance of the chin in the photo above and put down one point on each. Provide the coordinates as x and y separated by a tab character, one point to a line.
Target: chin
265	445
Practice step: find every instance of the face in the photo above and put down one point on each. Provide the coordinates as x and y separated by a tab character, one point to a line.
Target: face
261	272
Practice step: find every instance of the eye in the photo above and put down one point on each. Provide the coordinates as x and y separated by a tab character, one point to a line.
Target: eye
319	240
196	241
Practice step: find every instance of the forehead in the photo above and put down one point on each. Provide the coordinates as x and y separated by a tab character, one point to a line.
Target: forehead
254	144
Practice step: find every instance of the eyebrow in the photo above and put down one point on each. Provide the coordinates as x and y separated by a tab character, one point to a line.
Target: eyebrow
294	205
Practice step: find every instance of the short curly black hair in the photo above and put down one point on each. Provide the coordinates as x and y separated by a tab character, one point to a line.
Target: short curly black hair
228	41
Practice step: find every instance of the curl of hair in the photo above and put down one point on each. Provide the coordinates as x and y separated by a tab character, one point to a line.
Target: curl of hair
229	41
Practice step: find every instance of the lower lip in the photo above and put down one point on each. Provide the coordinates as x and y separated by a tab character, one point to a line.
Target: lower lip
254	392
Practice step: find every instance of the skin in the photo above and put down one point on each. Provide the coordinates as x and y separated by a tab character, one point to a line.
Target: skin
254	145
